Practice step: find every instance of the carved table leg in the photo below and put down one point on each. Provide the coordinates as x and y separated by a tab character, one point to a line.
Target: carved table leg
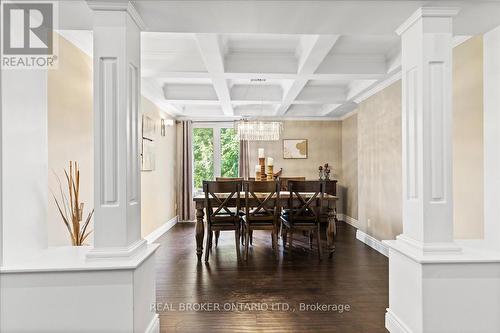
330	231
200	232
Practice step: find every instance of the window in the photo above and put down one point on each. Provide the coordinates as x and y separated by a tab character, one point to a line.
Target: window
215	152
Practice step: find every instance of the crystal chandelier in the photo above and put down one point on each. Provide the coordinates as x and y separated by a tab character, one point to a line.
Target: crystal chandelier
255	130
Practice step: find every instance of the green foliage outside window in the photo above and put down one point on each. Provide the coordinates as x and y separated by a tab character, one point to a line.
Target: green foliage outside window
203	155
230	148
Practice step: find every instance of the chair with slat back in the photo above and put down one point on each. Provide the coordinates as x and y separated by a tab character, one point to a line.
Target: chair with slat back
304	213
219	197
230	179
263	214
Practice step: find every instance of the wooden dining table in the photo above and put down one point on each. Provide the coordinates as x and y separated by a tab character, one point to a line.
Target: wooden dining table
328	214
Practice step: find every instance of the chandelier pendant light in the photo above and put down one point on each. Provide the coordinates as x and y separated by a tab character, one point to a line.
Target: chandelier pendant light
256	130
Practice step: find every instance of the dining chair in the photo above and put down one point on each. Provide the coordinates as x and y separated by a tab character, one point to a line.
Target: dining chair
263	213
284	182
231	179
304	211
219	198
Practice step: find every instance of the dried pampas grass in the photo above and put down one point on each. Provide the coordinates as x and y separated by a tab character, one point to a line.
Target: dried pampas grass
70	207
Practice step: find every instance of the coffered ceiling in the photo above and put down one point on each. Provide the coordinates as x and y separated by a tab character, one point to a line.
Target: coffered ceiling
218	59
264	75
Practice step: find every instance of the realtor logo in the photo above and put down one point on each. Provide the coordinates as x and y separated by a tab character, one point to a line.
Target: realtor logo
28	34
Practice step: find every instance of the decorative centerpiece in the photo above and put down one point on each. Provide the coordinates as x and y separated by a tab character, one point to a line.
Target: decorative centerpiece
324	172
70	207
262	163
270	166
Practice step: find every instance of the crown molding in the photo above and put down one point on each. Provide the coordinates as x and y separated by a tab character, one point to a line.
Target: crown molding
119	5
148	91
348	114
378	87
460	39
427	12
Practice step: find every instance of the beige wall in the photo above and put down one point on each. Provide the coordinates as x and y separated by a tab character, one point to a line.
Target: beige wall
468	139
158	187
70	135
379	152
70	130
379	163
350	165
324	145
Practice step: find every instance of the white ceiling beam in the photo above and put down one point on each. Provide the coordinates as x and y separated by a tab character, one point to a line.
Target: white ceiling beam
311	58
213	58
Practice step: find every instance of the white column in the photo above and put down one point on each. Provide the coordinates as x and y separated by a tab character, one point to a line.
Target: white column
24	161
117	227
427	129
491	121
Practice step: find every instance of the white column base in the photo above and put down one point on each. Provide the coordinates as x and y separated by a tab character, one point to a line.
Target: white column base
394	324
117	252
61	291
443	292
430	247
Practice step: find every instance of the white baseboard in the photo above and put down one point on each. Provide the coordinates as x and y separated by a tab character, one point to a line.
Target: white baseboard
372	242
154	325
351	221
364	237
394	324
158	232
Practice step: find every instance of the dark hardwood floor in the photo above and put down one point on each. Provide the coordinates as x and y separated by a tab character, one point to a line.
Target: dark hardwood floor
356	276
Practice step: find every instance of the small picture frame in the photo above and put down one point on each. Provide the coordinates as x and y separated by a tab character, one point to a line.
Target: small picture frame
148	127
295	148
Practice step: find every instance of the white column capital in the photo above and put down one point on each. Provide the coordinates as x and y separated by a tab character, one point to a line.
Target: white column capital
118	5
435	12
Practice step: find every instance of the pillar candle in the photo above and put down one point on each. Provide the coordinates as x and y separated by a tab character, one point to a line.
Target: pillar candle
270	161
261	152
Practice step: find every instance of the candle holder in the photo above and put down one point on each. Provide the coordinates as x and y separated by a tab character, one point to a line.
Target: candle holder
257	175
262	163
270	173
